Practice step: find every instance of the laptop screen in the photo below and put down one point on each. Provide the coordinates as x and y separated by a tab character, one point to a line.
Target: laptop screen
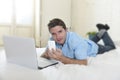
21	51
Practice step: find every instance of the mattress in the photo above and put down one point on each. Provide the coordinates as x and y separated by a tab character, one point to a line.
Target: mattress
102	67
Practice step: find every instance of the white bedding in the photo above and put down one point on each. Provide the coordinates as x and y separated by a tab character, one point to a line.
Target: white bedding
102	67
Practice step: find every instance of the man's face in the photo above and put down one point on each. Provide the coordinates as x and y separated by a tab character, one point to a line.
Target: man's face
59	34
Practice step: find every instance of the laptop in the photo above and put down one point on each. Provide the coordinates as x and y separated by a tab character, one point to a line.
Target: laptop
22	51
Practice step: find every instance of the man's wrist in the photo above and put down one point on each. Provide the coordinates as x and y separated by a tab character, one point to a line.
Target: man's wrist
61	59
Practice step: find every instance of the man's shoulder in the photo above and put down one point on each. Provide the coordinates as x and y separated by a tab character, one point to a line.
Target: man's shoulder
73	36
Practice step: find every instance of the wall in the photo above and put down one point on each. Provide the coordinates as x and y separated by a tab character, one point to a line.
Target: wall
87	13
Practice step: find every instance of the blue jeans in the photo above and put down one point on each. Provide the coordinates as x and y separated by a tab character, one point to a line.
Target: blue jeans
108	43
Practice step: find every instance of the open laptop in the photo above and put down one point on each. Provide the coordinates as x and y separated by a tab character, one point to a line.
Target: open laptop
22	51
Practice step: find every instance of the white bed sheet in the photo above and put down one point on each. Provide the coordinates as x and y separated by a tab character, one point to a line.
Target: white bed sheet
102	67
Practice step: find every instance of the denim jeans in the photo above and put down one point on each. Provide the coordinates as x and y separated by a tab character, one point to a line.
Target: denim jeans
108	43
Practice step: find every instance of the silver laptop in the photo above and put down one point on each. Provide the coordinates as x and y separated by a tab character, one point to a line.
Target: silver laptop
22	51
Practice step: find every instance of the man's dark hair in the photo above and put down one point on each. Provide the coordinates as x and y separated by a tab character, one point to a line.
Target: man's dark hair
56	22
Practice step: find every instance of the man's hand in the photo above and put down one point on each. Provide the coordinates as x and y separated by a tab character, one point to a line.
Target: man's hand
55	54
46	54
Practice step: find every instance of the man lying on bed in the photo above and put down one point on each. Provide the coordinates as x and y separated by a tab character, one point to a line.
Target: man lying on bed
72	48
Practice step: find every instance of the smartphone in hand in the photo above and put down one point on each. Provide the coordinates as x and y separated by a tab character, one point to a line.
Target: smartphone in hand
51	45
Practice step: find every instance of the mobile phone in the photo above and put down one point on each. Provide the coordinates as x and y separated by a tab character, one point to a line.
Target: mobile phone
51	45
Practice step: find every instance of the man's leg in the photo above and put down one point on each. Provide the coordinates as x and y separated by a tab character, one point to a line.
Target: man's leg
108	41
98	36
95	38
102	34
108	44
102	29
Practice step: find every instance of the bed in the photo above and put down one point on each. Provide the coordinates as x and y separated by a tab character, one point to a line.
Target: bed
102	67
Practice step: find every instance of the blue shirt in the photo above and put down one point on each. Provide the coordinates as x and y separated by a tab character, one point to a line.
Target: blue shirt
77	47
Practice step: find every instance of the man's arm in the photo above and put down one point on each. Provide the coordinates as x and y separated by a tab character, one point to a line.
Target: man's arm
66	60
58	56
